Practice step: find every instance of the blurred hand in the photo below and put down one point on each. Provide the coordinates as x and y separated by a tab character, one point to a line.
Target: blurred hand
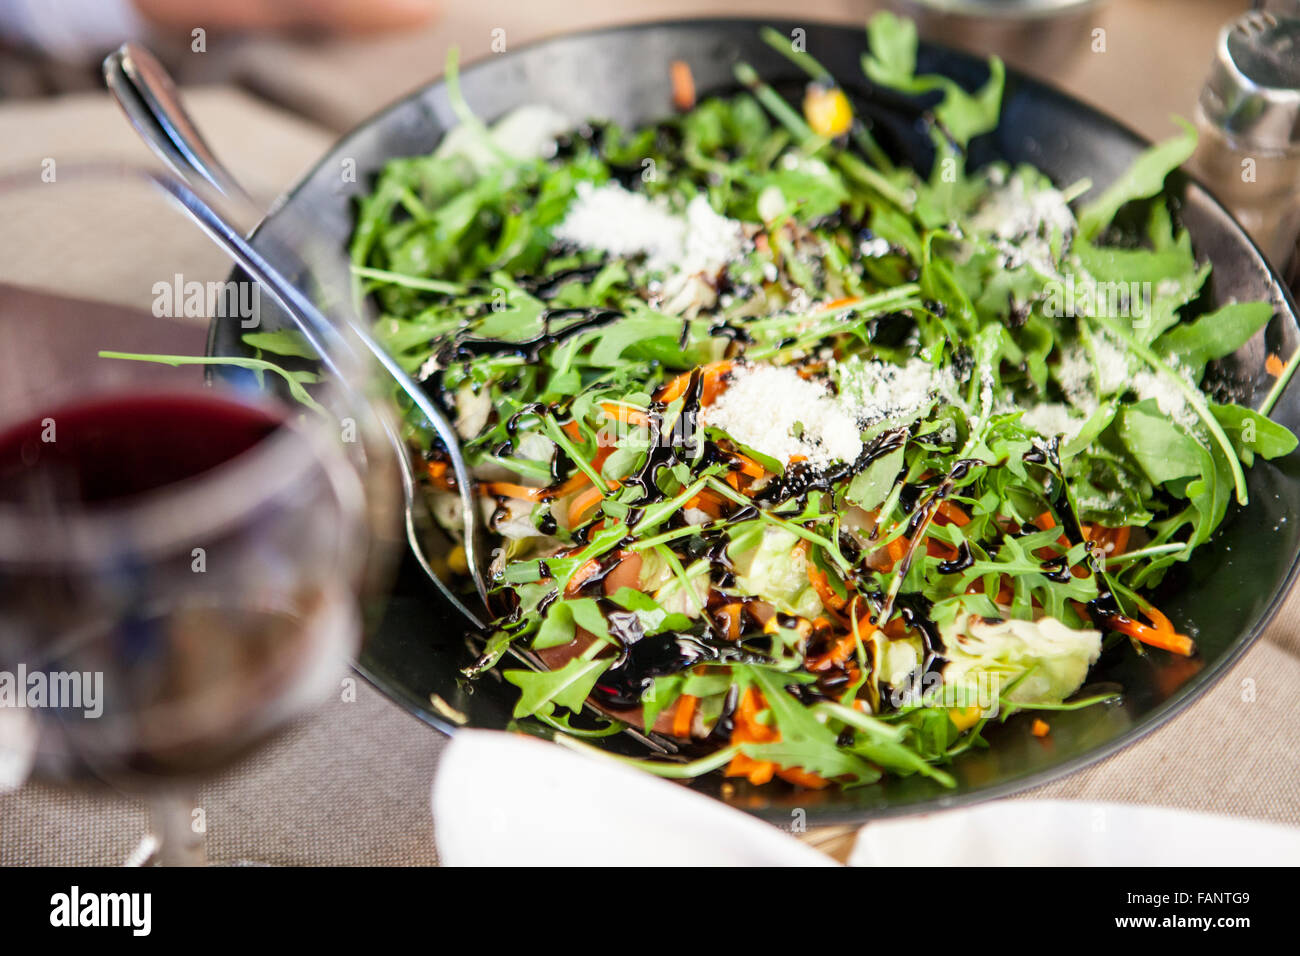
344	16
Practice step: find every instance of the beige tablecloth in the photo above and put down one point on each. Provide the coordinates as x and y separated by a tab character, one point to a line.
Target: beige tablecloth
351	785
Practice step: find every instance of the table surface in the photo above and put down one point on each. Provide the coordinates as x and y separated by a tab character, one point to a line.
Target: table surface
351	784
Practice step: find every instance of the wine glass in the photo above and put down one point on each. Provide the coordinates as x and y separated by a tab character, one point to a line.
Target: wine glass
181	565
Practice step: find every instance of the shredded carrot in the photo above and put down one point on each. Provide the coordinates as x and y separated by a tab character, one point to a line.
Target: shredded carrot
732	613
584	502
581	576
712	375
683	715
897	549
953	513
895	628
1040	728
683	84
748	466
939	549
508	489
836	656
575	482
758	772
746	728
624	413
710	502
822	584
842	303
1161	635
802	778
1113	541
441	476
1274	364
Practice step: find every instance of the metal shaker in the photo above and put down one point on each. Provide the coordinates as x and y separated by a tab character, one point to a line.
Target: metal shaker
1249	119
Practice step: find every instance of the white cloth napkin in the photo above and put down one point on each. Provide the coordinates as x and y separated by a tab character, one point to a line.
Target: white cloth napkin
1073	833
509	800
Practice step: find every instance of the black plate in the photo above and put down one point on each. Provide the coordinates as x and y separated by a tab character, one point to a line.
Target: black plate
1229	591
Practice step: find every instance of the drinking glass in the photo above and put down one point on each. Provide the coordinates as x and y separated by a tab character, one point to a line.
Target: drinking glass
191	583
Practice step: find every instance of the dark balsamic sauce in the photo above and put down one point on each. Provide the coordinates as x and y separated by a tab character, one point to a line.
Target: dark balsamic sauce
961	562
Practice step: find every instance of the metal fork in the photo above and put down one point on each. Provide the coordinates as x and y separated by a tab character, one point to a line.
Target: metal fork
148	96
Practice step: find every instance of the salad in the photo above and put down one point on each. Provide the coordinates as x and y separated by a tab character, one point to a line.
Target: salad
807	464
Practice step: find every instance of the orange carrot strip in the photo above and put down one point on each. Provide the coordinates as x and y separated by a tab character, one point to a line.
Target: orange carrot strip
953	513
508	489
440	475
836	656
581	576
732	613
822	584
802	778
622	413
1113	541
748	466
1169	640
683	84
747	729
712	375
1040	728
584	502
841	303
683	715
710	502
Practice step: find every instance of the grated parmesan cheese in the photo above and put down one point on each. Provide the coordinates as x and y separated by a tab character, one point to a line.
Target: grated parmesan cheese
774	411
1053	418
623	223
1168	397
1024	218
528	132
875	391
1016	209
1075	372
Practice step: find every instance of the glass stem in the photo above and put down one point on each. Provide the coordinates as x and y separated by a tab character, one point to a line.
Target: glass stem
179	844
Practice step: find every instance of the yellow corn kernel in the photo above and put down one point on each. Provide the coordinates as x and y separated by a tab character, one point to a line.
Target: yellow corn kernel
457	560
964	718
827	111
802	626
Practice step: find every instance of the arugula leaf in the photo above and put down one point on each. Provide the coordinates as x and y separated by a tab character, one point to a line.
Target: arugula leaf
1214	335
564	616
1141	180
891	62
295	380
1252	434
871	486
663	694
568	686
289	342
1165	451
806	743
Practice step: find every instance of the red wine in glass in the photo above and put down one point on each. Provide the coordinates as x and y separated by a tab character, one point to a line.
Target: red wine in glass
193	559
